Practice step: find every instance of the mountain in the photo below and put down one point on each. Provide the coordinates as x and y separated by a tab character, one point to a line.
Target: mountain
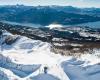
46	34
46	15
74	39
22	58
85	11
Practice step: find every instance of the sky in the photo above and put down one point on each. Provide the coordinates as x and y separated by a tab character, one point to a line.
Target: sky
76	3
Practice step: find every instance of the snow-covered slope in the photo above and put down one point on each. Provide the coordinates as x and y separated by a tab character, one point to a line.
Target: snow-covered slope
27	59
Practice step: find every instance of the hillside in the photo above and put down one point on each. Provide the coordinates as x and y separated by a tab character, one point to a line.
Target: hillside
22	58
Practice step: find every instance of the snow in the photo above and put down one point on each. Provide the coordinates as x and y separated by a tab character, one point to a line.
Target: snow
51	26
87	34
27	56
45	77
76	71
25	59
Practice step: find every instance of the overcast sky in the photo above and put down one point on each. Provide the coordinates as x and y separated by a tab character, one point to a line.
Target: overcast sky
77	3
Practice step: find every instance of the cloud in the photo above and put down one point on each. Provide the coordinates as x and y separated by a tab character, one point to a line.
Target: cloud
78	3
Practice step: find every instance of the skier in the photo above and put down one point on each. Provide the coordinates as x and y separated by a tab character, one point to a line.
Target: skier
45	70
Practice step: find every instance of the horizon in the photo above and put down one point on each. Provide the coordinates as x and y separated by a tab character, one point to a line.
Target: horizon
74	3
46	5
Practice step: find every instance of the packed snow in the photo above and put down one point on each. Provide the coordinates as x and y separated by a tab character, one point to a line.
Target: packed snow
27	59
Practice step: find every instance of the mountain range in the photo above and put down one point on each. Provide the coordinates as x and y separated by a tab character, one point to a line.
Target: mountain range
45	15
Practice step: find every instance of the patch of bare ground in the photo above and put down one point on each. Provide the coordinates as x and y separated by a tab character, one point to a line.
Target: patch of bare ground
75	49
